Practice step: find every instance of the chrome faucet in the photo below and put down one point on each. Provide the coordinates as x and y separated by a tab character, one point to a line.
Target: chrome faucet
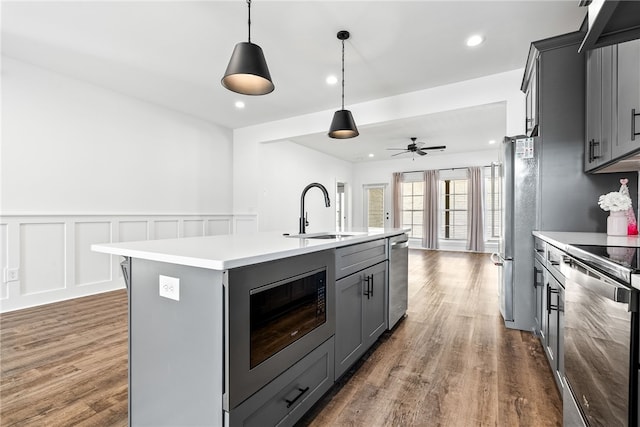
303	214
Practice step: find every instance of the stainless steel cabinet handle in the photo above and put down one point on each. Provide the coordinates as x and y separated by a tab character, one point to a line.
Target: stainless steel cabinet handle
536	282
633	124
371	284
551	307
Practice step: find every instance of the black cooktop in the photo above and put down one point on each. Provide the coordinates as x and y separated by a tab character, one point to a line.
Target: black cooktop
625	256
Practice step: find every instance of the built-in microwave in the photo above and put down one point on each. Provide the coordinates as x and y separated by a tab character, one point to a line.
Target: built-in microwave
277	313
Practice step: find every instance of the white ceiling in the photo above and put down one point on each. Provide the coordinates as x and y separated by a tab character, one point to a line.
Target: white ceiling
173	53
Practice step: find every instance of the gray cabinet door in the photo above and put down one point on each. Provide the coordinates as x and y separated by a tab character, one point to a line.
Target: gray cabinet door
374	302
553	338
538	283
349	337
600	111
628	99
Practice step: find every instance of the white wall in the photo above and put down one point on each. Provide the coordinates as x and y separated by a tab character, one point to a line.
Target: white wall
68	146
81	165
284	169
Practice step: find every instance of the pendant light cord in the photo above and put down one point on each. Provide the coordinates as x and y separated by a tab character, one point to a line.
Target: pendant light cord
249	6
343	74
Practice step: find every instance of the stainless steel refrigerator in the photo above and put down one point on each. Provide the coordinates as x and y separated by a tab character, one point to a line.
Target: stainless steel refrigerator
519	173
543	187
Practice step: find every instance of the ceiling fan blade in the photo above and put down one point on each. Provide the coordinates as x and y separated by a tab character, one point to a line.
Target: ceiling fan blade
403	149
397	154
435	147
422	153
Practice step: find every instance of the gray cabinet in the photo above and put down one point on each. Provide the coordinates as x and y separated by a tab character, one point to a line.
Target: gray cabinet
531	99
283	401
612	104
554	344
361	300
600	115
360	314
628	140
549	284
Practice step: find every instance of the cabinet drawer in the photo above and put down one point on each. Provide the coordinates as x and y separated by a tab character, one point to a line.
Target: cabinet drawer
351	259
554	260
539	247
284	400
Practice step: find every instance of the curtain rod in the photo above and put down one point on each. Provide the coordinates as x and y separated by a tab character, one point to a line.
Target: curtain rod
445	169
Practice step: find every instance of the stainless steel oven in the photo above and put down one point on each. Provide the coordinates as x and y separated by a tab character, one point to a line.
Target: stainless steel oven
600	348
277	313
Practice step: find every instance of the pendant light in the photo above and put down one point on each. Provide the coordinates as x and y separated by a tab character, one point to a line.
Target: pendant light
343	126
247	72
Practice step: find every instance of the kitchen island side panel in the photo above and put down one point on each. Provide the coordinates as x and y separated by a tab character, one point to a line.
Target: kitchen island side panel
175	347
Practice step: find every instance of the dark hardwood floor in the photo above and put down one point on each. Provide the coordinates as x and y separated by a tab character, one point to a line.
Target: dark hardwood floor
451	362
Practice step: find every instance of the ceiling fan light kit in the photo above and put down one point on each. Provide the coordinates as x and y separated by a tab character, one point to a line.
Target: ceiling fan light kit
343	126
247	72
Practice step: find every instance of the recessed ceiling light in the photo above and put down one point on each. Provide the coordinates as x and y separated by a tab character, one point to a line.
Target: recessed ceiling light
474	40
371	155
239	105
493	141
331	80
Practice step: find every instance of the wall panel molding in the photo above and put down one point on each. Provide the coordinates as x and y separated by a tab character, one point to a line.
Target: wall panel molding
47	257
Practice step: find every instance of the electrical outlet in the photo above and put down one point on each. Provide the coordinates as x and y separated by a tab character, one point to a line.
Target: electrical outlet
169	287
11	274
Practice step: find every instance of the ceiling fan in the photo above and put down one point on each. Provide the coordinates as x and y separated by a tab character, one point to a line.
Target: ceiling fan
417	147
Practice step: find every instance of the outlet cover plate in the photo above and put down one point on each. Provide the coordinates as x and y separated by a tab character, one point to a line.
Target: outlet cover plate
169	287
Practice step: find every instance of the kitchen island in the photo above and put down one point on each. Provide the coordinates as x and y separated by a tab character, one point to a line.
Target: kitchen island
248	329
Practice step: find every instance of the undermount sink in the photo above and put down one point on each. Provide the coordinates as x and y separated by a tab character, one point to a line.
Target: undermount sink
326	235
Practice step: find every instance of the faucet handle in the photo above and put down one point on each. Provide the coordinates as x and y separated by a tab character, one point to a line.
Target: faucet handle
306	221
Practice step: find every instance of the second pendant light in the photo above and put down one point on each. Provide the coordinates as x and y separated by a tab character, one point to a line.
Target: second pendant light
343	126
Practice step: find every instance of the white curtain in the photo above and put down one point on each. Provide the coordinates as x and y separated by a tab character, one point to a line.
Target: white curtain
397	199
430	215
475	237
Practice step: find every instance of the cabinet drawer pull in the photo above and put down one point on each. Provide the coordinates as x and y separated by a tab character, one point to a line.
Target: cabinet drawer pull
369	286
302	391
633	124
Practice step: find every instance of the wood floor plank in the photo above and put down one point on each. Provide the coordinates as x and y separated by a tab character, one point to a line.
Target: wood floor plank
451	362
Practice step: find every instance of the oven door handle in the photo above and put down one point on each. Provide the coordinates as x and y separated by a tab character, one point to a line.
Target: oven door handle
597	283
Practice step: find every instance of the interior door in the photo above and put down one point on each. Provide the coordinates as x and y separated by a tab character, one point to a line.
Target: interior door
376	210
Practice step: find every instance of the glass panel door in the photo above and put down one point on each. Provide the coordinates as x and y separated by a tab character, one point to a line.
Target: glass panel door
374	206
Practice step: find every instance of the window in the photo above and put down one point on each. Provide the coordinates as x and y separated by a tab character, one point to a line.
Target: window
412	207
493	202
453	209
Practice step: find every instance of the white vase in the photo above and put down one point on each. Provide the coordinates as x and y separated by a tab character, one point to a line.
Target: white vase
617	223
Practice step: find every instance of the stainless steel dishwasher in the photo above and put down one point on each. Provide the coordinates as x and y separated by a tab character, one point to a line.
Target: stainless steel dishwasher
398	278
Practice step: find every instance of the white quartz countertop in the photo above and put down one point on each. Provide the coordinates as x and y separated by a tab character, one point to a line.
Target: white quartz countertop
561	239
236	250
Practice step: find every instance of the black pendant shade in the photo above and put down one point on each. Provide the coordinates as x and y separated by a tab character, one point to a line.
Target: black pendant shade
247	72
343	126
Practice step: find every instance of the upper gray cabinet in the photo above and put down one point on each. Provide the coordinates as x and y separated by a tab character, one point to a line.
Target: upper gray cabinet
600	119
612	105
628	99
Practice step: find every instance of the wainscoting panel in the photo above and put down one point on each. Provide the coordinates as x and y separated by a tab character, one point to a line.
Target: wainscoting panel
42	256
165	229
132	231
218	226
91	267
4	255
50	259
193	228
